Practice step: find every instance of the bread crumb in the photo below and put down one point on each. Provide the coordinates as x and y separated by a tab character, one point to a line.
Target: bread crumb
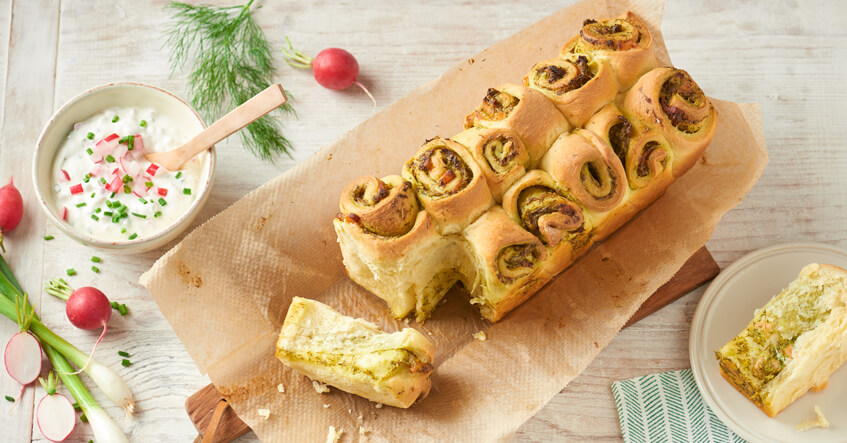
361	417
378	405
320	388
406	320
818	422
280	388
326	405
264	413
480	336
362	430
349	411
332	436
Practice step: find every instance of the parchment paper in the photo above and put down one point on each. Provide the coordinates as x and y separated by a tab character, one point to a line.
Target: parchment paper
226	287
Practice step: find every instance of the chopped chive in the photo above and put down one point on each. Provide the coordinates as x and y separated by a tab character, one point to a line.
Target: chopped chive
93	194
97	210
129	140
70	272
95	259
112	195
116	218
123	353
89	150
108	213
77	407
95	218
79	205
139	215
163	202
143	123
127	189
110	159
126	178
86	179
90	136
148	184
115	305
179	174
142	200
115	119
123	309
123	230
133	236
102	180
157	214
10	398
95	269
125	363
123	208
48	237
186	191
124	215
83	418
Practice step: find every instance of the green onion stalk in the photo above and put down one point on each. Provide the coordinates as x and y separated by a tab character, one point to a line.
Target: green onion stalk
59	351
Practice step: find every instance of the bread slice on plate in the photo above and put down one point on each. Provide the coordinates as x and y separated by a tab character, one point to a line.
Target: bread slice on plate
355	355
794	342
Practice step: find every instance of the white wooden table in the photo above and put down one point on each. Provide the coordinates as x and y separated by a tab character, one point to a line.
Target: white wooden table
789	56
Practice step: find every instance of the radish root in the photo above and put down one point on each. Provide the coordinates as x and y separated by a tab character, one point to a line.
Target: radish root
359	84
90	356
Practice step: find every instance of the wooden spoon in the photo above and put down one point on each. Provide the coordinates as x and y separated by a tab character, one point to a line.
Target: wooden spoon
263	103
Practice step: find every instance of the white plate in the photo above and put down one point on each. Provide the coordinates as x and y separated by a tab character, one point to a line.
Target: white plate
724	311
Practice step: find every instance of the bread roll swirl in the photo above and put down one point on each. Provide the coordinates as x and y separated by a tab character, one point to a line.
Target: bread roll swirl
578	84
624	41
587	167
670	100
385	207
449	184
524	111
500	154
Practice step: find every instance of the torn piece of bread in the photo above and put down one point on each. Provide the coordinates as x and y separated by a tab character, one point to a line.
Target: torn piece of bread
794	342
819	421
355	355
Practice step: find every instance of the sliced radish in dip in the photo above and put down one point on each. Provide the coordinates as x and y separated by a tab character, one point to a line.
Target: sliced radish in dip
105	186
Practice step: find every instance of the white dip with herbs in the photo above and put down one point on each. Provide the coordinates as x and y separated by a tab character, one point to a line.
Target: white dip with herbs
105	188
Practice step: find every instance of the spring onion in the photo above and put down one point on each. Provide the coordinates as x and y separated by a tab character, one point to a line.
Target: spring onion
123	353
58	348
48	237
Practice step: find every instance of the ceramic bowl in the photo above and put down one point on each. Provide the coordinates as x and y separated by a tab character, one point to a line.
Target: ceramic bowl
93	102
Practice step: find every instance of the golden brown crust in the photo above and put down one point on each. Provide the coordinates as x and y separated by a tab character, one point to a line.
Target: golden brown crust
671	101
588	169
578	84
386	207
646	156
625	42
449	184
525	111
508	258
389	248
500	153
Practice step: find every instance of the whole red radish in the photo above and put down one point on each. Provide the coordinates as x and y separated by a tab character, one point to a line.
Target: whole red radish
86	308
333	68
11	209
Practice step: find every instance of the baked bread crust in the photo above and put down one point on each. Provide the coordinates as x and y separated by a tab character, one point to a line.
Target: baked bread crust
534	117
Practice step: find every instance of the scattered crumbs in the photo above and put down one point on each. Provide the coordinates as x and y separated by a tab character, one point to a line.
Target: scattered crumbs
349	411
332	436
480	336
326	405
818	422
362	430
281	388
378	405
320	388
264	413
361	417
430	333
406	320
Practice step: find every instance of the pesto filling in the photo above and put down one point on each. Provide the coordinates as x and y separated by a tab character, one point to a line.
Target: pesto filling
378	365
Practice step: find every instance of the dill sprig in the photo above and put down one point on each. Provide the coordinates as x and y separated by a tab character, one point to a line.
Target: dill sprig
230	61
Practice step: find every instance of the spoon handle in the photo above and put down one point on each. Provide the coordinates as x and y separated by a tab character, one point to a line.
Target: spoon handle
251	110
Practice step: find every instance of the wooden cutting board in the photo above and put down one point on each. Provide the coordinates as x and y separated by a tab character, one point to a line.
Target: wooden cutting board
207	406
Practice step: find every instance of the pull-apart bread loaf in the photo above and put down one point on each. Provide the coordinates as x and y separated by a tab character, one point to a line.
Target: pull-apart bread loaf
540	172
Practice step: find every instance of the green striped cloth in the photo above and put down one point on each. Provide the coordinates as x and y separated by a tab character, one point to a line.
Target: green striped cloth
667	407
